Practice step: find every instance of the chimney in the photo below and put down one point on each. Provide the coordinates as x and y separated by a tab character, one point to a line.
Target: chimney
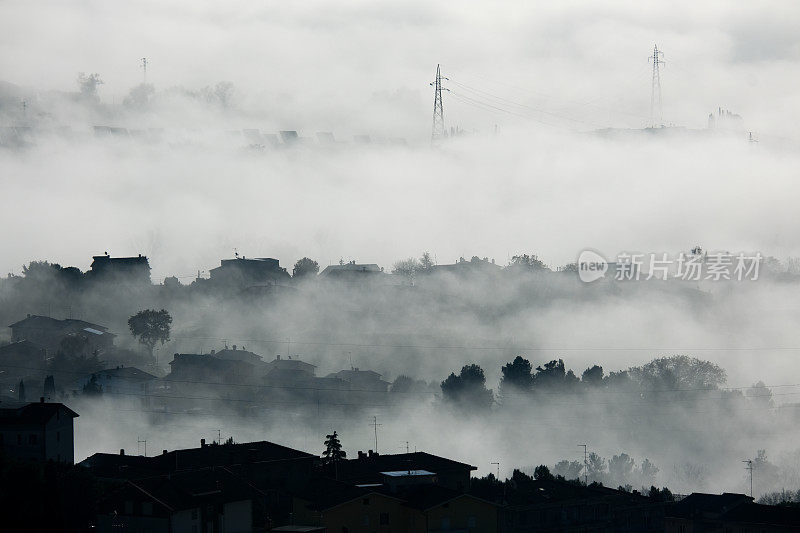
163	452
122	451
369	453
234	347
278	357
202	443
361	455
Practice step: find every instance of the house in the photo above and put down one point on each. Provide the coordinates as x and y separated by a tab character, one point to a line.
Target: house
236	353
123	380
22	358
289	373
48	333
362	380
243	272
209	500
126	384
545	505
120	269
38	432
371	468
353	272
416	505
462	267
729	512
208	368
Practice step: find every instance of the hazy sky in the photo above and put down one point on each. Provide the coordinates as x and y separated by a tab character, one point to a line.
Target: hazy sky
539	72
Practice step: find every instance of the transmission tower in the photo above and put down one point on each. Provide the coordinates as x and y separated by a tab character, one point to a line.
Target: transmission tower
144	68
438	131
655	92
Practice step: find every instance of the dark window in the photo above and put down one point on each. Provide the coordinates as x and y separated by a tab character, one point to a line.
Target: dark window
19	438
194	514
365	501
58	436
32	438
345	530
384	519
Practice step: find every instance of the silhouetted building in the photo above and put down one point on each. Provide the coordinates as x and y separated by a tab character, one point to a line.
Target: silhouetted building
48	333
242	271
729	512
37	432
289	371
208	500
126	384
352	271
371	468
122	466
549	505
120	269
22	358
208	368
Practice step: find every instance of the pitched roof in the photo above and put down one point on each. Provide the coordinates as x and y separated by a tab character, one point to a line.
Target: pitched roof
33	413
126	372
131	467
368	468
699	503
45	322
754	513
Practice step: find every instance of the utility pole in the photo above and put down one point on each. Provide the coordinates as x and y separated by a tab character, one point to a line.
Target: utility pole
749	467
655	90
585	464
375	427
438	131
144	68
498	469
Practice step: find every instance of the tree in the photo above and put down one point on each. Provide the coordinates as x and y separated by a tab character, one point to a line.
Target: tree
516	375
620	469
425	262
88	85
593	376
527	262
333	449
596	468
151	327
406	267
305	267
568	469
468	389
760	395
542	473
678	372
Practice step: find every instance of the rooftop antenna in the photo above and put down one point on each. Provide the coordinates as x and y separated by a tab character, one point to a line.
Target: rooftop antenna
585	464
749	467
498	469
438	131
144	68
655	90
375	427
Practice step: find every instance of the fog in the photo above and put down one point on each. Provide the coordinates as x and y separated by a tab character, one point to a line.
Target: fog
530	86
